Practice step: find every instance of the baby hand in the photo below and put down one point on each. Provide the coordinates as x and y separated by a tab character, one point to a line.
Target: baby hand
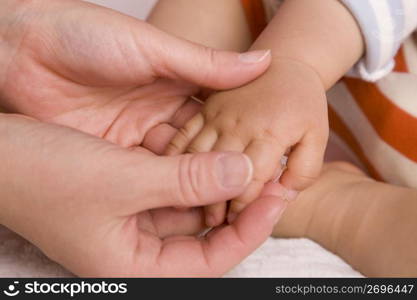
284	110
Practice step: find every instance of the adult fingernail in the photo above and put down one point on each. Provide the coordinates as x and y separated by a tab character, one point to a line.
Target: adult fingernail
234	170
254	57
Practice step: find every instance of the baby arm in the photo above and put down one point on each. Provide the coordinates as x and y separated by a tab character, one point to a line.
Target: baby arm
217	24
313	44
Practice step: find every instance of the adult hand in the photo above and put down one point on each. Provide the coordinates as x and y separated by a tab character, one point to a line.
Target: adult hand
74	196
97	208
91	68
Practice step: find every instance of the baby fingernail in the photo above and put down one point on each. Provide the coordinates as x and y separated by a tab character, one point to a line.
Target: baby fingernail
234	170
254	57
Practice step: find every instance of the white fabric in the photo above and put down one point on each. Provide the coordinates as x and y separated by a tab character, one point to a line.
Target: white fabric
276	258
385	24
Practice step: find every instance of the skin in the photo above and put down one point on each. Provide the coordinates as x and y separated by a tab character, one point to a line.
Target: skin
96	98
93	69
370	224
78	196
305	38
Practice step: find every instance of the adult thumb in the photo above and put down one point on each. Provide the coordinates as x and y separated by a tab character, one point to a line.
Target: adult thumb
193	180
206	67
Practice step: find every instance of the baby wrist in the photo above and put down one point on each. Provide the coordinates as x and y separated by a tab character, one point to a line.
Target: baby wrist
277	62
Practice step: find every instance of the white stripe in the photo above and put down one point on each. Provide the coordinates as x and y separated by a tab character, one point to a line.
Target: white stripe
401	89
410	16
389	163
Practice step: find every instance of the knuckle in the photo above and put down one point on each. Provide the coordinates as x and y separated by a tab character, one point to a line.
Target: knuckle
270	136
174	146
211	112
233	127
230	123
275	142
208	70
184	133
211	54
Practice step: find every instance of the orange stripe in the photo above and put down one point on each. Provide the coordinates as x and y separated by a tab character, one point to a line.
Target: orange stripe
400	63
255	14
337	125
394	125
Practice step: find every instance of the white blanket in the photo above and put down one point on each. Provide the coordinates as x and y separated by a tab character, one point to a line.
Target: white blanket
276	258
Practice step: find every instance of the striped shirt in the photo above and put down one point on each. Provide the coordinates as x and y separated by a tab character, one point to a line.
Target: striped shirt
385	24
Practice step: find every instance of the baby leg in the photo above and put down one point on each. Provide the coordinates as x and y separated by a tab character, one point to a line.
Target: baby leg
216	23
369	224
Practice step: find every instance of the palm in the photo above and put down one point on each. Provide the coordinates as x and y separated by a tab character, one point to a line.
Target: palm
97	88
168	235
